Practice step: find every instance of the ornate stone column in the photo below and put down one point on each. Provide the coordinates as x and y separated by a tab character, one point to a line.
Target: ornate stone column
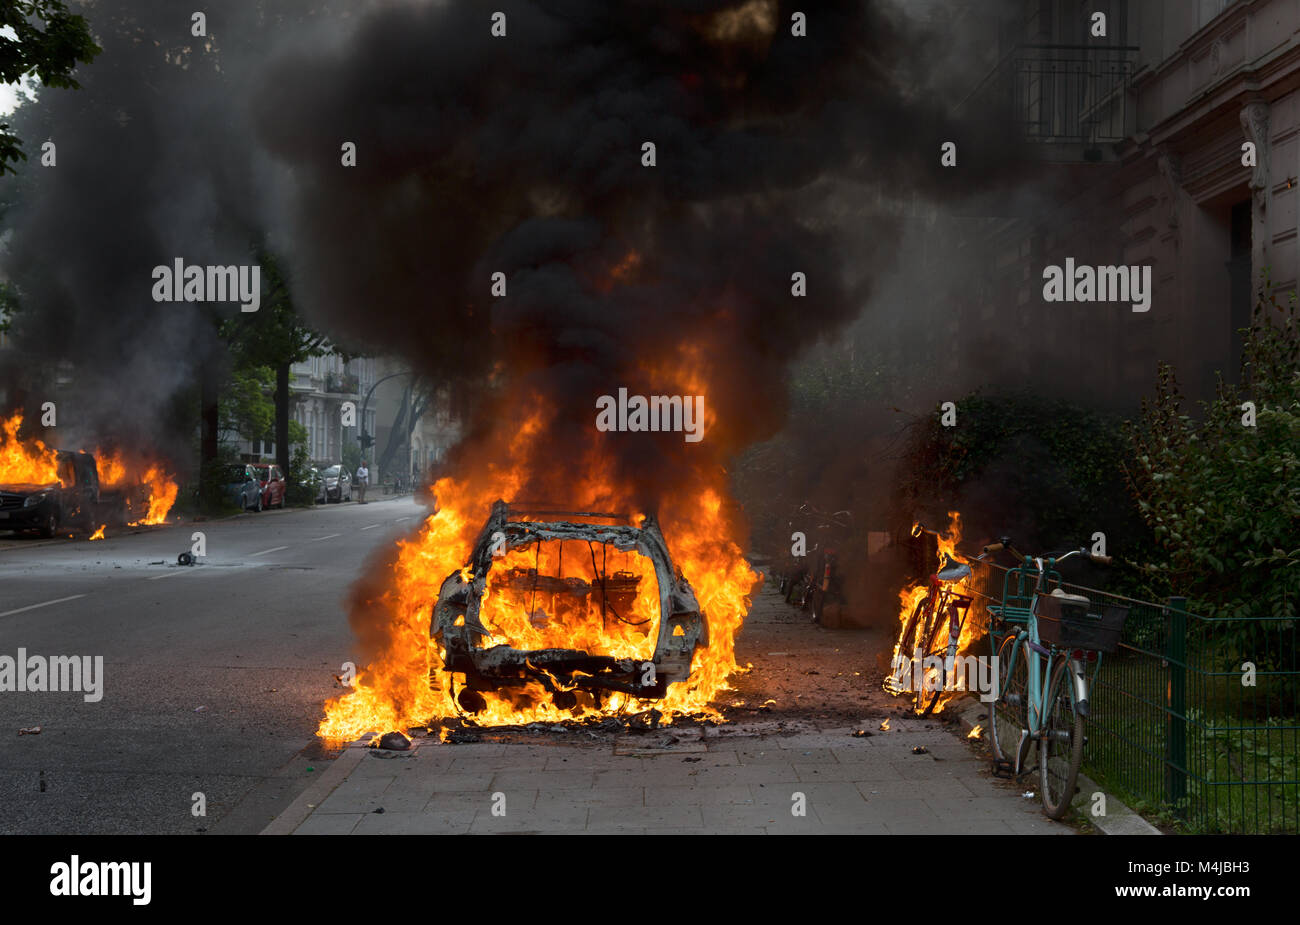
1254	121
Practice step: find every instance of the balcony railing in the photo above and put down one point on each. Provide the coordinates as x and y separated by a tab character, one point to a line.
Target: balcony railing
1069	95
344	383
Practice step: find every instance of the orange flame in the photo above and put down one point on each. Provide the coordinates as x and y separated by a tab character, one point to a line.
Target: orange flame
405	684
25	462
151	489
910	596
98	534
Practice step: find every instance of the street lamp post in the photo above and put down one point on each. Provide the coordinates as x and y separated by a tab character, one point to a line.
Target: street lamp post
363	436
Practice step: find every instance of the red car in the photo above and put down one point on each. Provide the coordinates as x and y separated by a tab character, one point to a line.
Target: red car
273	485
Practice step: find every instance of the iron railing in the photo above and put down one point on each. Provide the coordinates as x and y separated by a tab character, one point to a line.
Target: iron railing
1194	719
1062	94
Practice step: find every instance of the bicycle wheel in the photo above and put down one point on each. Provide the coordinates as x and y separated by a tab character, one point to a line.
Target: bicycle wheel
1010	718
792	588
934	677
1061	750
901	669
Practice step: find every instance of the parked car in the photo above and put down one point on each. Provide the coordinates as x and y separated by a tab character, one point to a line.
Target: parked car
338	483
71	501
273	485
243	487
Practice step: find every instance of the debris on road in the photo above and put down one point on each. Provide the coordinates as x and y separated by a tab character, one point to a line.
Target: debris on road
393	741
920	750
30	731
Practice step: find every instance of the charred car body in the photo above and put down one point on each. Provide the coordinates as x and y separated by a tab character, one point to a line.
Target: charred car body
74	500
465	641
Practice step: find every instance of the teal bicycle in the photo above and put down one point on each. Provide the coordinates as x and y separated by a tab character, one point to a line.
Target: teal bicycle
1045	640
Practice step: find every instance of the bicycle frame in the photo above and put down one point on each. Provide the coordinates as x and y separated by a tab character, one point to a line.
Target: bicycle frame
942	599
1042	658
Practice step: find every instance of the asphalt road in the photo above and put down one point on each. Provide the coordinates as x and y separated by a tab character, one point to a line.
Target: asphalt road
214	675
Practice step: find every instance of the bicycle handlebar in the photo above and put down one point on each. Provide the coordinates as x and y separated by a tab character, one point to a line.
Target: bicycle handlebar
1057	557
1004	543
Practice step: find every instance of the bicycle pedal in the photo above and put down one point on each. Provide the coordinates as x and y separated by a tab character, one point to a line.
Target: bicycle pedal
1004	768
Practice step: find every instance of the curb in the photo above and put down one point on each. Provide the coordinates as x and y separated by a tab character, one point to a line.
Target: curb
298	811
1118	820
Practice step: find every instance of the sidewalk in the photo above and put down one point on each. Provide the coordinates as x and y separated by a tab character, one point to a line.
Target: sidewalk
735	779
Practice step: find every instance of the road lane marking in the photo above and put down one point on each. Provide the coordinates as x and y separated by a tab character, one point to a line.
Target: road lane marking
400	519
330	537
266	551
371	527
9	613
167	575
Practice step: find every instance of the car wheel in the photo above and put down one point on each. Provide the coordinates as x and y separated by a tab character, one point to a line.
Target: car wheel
258	508
49	525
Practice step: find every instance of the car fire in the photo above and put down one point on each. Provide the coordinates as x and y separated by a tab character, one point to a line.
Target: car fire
544	614
45	489
586	634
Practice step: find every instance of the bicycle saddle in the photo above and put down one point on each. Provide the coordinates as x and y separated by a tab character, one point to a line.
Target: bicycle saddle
952	569
1071	598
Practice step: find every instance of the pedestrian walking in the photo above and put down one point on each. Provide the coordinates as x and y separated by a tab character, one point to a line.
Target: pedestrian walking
363	479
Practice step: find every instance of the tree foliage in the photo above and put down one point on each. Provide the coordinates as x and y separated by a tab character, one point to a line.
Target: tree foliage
1042	470
49	42
246	406
1222	497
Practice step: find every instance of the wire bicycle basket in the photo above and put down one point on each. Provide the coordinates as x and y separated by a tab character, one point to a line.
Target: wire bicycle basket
1070	621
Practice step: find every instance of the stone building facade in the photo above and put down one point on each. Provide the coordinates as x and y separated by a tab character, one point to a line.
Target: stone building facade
1142	134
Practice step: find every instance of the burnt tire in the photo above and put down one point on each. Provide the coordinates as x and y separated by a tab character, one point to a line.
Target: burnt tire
471	701
49	525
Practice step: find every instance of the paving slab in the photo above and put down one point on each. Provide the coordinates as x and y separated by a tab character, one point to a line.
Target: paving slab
814	781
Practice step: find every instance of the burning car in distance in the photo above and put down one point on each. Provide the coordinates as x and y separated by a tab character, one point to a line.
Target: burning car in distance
70	498
50	490
516	627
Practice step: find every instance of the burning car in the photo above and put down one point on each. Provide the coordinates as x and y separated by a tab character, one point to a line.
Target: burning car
498	618
68	495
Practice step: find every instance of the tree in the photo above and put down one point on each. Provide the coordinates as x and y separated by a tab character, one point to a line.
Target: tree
1222	494
245	404
49	42
275	337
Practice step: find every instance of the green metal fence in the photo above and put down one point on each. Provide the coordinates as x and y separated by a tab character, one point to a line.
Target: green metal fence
1194	718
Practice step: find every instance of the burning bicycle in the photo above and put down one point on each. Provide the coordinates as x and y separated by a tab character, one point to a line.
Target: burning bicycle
924	657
